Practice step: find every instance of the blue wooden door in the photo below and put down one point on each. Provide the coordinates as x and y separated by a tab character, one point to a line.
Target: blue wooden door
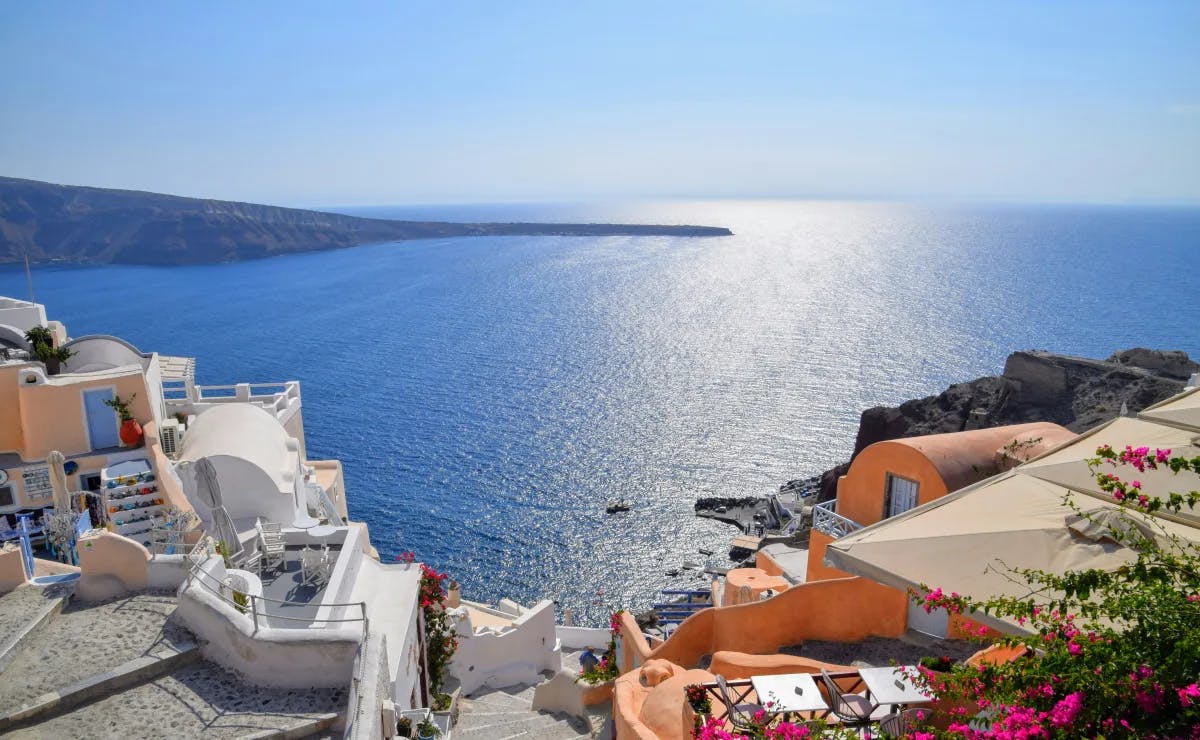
101	419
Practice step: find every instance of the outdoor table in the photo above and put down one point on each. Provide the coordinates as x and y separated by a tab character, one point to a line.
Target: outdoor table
891	686
305	522
322	531
789	692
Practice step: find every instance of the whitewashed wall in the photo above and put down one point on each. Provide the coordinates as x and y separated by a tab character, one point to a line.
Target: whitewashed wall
517	655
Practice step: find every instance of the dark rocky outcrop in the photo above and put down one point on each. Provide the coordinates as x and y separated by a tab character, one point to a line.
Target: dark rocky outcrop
62	223
1077	392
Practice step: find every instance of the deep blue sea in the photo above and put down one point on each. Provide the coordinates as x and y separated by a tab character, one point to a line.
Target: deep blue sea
488	396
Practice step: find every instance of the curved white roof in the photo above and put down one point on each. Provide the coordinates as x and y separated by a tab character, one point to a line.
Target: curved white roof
247	432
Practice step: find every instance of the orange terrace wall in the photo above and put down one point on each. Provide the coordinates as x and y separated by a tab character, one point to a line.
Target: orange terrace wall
110	565
842	610
168	483
817	569
764	562
12	567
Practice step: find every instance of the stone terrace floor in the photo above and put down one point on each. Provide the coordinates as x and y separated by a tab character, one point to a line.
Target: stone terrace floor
881	651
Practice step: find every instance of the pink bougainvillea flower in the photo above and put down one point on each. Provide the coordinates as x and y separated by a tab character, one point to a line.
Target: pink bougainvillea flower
1189	694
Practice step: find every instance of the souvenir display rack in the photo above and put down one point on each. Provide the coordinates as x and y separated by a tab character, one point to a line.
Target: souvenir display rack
132	502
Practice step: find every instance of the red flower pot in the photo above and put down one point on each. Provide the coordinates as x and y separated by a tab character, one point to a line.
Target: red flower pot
131	432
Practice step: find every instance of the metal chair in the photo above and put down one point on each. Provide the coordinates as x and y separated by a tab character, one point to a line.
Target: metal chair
741	716
854	710
898	724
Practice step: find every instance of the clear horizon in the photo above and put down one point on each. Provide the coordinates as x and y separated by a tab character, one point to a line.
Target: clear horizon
358	105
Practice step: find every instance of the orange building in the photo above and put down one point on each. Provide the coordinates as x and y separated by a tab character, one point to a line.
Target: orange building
889	478
44	409
814	601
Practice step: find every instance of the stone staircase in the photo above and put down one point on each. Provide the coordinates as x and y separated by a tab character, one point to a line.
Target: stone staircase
124	669
507	714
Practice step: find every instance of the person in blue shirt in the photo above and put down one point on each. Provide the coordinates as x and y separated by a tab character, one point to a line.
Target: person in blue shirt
588	661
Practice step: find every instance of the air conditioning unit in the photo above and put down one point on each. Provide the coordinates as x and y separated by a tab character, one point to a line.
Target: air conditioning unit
172	437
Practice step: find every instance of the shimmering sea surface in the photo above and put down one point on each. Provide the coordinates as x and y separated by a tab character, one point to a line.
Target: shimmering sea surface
488	396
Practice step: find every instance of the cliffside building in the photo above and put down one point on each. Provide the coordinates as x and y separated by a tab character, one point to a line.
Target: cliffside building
216	501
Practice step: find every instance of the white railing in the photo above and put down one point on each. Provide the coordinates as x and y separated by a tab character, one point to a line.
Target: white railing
257	605
331	512
828	521
281	399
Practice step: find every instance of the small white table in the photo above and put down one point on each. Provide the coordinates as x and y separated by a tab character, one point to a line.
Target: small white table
789	692
305	522
322	531
890	686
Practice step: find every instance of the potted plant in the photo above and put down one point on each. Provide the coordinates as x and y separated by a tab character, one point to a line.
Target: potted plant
131	430
426	729
700	703
939	665
404	728
41	343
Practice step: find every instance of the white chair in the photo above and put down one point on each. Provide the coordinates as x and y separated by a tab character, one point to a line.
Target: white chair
271	543
273	553
313	570
252	562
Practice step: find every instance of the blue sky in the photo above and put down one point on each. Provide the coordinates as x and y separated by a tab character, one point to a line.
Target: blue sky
319	103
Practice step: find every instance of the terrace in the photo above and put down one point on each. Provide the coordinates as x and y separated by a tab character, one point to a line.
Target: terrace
182	396
282	595
828	521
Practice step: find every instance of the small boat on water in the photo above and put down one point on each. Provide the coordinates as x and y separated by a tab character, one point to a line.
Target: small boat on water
616	507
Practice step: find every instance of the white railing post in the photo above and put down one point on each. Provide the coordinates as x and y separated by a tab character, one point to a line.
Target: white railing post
828	521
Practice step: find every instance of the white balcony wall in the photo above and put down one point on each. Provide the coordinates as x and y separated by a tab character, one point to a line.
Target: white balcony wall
21	315
514	655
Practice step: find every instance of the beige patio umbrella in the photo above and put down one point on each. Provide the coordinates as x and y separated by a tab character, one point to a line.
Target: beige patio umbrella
208	490
58	482
1066	466
975	540
60	526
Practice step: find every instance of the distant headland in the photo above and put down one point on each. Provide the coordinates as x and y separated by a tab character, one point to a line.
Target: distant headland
86	225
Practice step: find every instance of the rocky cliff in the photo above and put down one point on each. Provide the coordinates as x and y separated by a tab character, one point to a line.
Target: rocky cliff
64	223
1076	392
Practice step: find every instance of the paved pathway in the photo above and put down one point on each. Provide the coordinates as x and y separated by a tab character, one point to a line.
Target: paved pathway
90	638
507	714
23	609
200	700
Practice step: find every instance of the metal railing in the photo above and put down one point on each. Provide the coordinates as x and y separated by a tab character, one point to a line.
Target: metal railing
827	520
200	554
327	506
741	691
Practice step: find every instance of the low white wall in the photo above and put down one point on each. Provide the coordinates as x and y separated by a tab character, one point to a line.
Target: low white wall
406	688
102	352
364	709
516	655
578	638
344	574
166	572
21	314
286	658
